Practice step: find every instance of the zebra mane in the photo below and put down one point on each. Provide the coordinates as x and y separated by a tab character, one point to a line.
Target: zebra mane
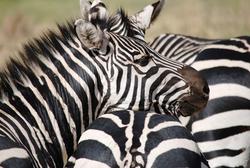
34	49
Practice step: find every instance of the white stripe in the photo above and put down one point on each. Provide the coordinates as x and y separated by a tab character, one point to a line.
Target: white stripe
104	139
168	145
13	153
244	41
234	142
236	161
222	120
165	124
190	54
80	163
138	96
129	134
169	48
223	90
116	120
207	64
225	47
145	131
184	120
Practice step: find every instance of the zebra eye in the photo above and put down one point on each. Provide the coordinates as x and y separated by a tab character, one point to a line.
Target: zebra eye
143	61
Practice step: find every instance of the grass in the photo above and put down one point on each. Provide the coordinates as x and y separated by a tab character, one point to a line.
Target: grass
22	19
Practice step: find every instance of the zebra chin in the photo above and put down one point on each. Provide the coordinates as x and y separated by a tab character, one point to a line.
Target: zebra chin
189	107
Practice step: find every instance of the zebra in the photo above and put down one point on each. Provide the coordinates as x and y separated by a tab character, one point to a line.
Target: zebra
222	129
220	61
64	80
140	139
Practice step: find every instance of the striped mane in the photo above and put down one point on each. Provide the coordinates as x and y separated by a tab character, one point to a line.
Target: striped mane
31	53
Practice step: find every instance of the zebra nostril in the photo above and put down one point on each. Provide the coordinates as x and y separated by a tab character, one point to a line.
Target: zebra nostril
206	89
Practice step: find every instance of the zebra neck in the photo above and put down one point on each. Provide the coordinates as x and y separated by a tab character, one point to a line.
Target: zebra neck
56	94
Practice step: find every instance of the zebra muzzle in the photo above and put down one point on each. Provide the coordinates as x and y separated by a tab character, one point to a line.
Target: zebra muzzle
197	100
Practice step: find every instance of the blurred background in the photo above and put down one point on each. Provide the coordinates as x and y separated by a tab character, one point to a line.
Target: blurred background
20	20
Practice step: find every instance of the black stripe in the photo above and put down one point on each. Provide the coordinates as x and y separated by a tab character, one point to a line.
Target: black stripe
223	104
128	86
133	98
222	152
119	77
218	53
86	151
233	75
178	158
218	134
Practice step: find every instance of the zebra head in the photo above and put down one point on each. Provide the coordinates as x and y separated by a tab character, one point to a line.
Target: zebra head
139	77
132	26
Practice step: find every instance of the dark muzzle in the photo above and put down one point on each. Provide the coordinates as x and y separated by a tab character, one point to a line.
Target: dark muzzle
197	100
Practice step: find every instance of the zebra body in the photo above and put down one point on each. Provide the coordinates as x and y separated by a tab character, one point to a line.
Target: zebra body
222	129
60	86
137	139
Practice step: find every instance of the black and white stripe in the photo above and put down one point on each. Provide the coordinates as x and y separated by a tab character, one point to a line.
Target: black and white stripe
135	25
137	139
225	64
223	128
59	87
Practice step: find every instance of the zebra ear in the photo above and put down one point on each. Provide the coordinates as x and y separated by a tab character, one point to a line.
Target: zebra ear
85	8
95	12
91	37
145	17
98	13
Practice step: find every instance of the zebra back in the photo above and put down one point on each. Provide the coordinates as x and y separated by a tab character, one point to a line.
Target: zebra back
137	139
